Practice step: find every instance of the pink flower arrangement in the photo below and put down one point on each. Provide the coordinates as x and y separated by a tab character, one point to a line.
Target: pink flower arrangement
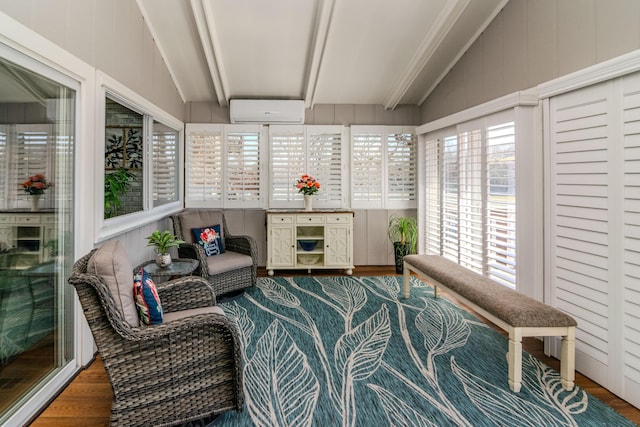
307	185
36	184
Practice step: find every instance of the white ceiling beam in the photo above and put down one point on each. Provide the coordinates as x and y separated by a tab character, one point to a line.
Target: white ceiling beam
204	22
443	24
324	15
462	51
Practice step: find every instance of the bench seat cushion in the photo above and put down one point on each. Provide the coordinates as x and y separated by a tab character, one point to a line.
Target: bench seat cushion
513	307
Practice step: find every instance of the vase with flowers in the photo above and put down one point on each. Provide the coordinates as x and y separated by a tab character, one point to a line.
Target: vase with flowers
35	186
308	186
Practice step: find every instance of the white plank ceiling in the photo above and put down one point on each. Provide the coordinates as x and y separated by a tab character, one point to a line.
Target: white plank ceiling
385	52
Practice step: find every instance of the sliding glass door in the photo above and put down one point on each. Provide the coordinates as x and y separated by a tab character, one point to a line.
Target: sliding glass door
37	138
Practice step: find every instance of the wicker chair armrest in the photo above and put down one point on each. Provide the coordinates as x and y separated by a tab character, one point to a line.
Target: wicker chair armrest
242	244
186	293
195	251
185	343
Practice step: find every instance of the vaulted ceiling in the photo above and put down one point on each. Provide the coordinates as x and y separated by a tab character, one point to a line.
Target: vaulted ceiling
385	52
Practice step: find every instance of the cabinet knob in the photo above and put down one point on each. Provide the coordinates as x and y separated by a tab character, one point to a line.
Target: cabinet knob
309	219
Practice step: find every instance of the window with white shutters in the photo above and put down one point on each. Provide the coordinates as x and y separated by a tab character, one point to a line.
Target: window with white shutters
165	164
288	152
33	150
500	190
324	147
366	167
312	150
449	226
432	200
223	166
383	167
468	208
4	167
204	164
242	171
401	166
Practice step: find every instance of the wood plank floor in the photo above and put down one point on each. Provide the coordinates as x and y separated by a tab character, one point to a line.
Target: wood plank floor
87	399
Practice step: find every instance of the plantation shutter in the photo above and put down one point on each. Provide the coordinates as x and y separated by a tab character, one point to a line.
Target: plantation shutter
32	156
4	167
501	203
204	165
287	151
367	163
324	154
432	193
630	215
450	203
470	223
580	216
242	188
165	164
401	168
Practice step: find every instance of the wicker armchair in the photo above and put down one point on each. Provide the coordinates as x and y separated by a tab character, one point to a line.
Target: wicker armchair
233	270
187	368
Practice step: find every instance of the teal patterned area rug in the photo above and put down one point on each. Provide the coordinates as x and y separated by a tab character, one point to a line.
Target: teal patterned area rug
350	351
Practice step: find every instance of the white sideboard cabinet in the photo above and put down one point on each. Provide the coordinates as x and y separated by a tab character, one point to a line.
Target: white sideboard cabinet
23	237
306	240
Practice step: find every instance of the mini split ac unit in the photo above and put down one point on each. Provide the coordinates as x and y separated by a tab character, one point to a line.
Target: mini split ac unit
266	111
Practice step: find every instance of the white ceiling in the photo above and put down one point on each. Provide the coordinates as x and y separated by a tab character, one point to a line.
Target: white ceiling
385	52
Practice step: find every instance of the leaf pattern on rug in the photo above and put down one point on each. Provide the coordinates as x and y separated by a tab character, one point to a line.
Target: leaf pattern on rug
399	413
502	406
351	351
284	387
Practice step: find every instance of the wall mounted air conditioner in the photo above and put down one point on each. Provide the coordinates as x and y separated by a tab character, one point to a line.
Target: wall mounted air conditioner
266	111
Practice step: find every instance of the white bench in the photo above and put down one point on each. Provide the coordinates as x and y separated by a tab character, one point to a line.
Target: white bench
516	313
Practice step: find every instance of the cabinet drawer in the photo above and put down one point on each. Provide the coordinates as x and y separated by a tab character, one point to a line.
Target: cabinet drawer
281	219
28	220
338	219
48	219
7	220
310	219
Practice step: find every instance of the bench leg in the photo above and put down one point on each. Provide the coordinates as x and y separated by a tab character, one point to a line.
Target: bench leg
514	358
568	359
406	279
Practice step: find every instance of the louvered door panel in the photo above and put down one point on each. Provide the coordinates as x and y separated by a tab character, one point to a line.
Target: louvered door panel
204	165
579	244
631	241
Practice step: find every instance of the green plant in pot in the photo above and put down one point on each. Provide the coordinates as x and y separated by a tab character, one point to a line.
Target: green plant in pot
163	241
403	233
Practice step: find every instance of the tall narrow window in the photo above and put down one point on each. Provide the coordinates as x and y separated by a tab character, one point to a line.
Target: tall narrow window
165	164
469	199
501	204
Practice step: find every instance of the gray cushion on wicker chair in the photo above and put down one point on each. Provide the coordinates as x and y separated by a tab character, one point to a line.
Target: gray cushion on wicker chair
187	368
235	269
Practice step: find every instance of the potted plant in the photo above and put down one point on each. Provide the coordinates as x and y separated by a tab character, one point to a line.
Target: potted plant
403	233
116	184
163	241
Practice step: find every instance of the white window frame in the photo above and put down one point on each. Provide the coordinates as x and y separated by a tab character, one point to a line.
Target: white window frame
382	134
523	109
326	197
108	228
222	197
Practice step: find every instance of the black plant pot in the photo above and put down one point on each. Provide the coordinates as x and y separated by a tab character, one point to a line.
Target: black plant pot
400	250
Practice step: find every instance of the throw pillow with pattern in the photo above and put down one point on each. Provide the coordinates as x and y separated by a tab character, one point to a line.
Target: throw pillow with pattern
147	299
209	238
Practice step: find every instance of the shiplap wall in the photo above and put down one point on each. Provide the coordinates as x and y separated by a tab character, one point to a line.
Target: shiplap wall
534	41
